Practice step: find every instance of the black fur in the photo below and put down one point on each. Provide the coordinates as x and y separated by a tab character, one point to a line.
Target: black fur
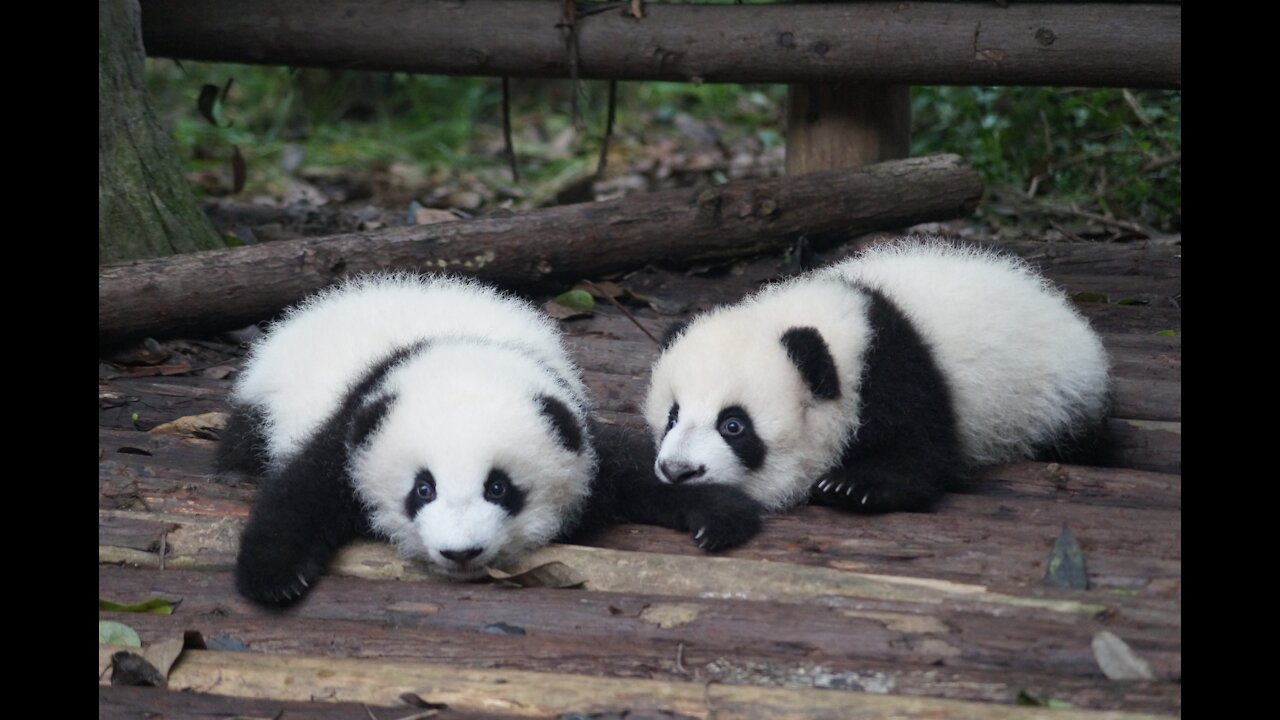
808	350
747	446
413	500
907	448
513	499
672	332
309	511
626	490
562	419
243	448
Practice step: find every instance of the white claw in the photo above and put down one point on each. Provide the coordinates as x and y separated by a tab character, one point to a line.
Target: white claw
700	533
824	485
864	498
850	490
303	581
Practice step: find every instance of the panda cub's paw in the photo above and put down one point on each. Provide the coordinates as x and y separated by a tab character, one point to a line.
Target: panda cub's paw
844	492
724	517
876	490
275	575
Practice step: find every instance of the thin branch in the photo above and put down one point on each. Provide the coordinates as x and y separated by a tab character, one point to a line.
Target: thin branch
1132	100
506	129
608	128
626	312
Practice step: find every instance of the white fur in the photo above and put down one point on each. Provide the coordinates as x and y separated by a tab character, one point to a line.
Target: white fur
463	406
1023	366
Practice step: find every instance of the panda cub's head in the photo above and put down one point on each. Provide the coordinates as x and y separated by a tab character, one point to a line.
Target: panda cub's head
752	395
472	454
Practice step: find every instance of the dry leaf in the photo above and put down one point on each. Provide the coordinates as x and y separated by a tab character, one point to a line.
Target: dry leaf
431	216
163	654
554	574
192	424
1117	660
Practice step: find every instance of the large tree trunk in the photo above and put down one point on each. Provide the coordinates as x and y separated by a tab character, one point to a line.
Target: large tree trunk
145	205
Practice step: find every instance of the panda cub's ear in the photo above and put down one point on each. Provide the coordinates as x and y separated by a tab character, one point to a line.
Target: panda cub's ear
562	419
809	352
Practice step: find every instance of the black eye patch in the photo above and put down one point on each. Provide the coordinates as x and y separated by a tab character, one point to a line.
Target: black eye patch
499	490
673	416
422	492
735	426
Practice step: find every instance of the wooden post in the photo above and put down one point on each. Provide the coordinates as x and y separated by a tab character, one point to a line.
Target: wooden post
836	125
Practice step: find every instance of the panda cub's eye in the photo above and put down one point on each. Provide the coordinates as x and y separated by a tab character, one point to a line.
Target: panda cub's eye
425	486
732	426
497	486
673	416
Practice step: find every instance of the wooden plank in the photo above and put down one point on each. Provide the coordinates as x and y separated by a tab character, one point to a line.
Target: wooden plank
139	703
211	544
300	678
891	647
1144	445
1129	45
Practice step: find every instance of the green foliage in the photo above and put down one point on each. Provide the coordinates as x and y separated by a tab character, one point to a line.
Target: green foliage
1115	153
1116	150
111	632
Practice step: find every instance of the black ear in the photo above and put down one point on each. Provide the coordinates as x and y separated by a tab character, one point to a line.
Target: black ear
366	419
809	352
563	421
673	332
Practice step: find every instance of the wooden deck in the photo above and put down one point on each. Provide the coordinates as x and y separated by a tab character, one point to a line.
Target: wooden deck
943	614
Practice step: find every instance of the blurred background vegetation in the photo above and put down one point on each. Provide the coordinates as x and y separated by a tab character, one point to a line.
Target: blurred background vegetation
1095	155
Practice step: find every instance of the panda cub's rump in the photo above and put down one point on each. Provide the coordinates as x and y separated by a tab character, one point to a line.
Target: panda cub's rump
870	384
437	413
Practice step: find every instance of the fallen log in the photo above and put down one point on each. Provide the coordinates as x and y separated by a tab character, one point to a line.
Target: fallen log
229	288
930	43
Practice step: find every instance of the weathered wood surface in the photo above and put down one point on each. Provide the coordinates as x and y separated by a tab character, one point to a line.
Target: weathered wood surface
230	288
136	703
831	608
914	649
1118	45
530	694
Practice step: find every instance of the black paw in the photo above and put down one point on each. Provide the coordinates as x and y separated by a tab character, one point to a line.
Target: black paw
268	576
725	519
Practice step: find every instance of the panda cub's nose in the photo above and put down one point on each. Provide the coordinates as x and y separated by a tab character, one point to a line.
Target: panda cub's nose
462	556
678	472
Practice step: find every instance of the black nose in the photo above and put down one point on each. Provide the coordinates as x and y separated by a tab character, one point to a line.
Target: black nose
678	472
462	556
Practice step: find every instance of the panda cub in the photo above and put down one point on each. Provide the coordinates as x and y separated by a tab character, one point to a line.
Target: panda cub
437	413
870	384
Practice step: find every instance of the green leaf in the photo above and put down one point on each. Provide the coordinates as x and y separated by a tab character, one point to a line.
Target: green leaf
1090	297
114	633
1025	698
576	300
154	606
1168	333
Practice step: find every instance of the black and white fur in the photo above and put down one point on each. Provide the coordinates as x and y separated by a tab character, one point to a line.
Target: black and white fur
870	384
434	412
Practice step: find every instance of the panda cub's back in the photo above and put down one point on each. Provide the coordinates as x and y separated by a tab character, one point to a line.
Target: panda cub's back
1023	366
